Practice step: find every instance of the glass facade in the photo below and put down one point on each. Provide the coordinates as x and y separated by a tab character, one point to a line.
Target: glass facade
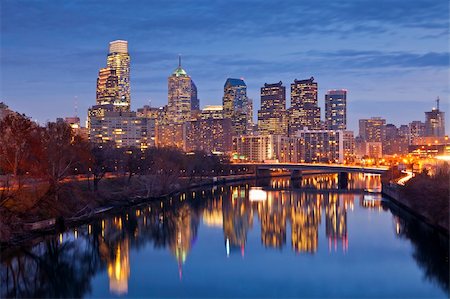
336	109
272	117
237	106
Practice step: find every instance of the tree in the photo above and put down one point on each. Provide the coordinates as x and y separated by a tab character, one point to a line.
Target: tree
103	160
18	139
61	152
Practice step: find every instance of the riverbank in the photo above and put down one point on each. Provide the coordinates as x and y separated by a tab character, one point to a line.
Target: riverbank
437	220
80	205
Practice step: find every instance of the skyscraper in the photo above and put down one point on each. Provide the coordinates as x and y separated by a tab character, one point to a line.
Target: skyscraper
236	105
272	117
182	94
336	109
373	129
304	111
434	122
108	87
119	61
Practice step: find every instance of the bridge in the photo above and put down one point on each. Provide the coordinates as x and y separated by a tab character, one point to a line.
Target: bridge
298	169
316	167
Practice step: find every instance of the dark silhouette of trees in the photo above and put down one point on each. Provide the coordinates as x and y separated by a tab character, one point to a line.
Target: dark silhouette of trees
62	150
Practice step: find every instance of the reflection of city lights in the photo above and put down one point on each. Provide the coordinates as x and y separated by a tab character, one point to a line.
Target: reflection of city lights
257	194
227	246
119	270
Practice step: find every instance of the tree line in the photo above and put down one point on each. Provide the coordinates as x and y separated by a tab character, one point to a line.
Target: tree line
54	153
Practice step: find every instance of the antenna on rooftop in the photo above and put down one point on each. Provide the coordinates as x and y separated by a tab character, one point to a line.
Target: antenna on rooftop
179	60
437	103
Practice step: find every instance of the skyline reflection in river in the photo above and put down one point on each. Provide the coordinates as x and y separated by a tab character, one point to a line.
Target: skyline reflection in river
188	246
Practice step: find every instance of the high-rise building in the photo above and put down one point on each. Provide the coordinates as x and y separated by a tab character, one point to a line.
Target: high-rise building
124	128
336	109
108	89
304	110
373	129
259	148
272	117
434	122
237	106
209	135
195	102
182	94
416	129
322	146
119	61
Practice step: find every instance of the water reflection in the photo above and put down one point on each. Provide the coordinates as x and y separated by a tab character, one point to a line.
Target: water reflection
64	265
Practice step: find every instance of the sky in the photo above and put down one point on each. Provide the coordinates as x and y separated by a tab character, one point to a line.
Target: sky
391	55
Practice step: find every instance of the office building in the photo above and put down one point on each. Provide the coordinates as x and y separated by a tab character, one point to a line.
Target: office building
259	148
182	94
237	106
323	146
108	89
124	128
304	112
373	129
273	117
336	109
118	62
210	135
434	122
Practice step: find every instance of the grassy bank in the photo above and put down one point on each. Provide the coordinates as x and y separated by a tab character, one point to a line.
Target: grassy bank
426	196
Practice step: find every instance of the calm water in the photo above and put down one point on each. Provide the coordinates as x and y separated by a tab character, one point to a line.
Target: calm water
241	241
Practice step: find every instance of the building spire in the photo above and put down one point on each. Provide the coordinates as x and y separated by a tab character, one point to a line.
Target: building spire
437	103
179	60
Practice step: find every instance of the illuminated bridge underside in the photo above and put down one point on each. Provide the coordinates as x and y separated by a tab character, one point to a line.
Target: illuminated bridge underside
318	168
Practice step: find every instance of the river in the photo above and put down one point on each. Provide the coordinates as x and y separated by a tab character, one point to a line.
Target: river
269	238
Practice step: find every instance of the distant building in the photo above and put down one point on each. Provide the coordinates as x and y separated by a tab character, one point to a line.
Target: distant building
209	134
349	146
182	94
273	117
373	129
435	122
368	149
212	112
125	129
259	148
396	140
304	110
416	129
171	135
237	106
323	146
336	109
118	62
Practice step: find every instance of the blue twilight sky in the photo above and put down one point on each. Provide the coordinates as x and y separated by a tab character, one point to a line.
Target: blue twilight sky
391	55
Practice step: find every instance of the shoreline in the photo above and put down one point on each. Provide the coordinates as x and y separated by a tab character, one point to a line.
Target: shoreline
397	199
63	223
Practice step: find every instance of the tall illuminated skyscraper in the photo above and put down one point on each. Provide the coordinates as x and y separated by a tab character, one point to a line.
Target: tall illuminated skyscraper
119	61
107	87
182	96
336	109
272	117
304	111
237	106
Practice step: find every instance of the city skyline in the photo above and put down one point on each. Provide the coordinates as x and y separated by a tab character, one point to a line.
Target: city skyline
379	83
